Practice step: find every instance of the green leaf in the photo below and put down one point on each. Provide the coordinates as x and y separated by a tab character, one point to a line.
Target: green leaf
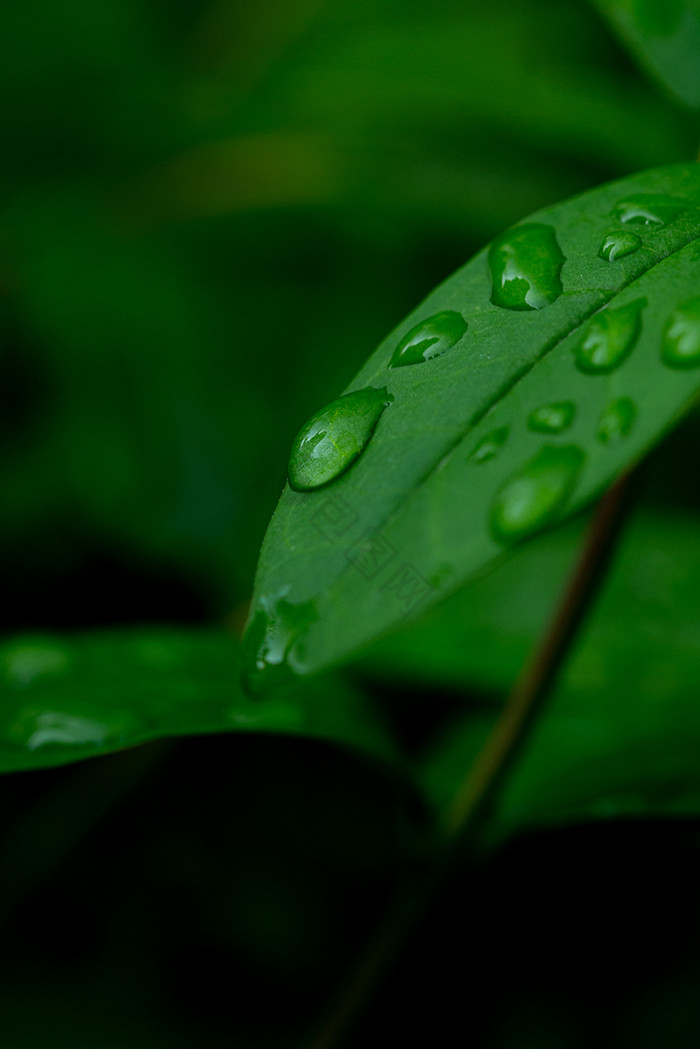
68	698
454	474
621	734
664	35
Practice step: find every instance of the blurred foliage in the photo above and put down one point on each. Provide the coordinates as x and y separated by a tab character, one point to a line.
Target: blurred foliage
621	734
664	36
65	699
209	216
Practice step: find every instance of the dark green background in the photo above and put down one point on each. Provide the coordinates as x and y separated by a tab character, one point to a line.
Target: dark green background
209	217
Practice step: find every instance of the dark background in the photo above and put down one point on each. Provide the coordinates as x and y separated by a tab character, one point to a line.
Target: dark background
209	215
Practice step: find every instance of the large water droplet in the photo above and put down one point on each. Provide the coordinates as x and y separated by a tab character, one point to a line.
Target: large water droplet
647	209
617	420
552	418
525	264
609	338
680	346
429	339
617	245
333	438
490	445
272	633
535	495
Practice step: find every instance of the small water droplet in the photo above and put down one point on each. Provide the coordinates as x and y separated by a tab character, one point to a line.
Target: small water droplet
618	244
429	339
272	633
647	209
73	724
535	495
616	420
525	264
490	445
680	345
552	418
609	338
334	437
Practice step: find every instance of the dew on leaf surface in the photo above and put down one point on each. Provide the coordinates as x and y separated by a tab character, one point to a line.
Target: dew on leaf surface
525	265
619	244
535	494
647	209
489	445
334	437
609	337
269	638
429	339
616	420
75	724
680	344
552	418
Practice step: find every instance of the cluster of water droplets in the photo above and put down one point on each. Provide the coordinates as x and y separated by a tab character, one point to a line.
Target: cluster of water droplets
334	437
647	210
525	266
538	491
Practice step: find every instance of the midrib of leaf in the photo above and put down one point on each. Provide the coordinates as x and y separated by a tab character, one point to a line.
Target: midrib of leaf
389	518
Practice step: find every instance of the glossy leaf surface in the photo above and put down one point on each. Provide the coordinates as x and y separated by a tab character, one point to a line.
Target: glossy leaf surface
664	35
68	698
424	508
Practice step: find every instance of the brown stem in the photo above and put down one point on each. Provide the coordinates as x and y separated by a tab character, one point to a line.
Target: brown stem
486	776
534	684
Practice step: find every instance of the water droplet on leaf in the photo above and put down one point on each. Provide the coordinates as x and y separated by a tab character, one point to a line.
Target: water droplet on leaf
490	445
680	346
552	418
535	495
525	264
73	724
269	639
617	245
334	437
647	209
609	338
429	339
617	420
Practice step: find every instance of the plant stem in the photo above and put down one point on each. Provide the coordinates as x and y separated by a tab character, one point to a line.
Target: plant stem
484	779
534	684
